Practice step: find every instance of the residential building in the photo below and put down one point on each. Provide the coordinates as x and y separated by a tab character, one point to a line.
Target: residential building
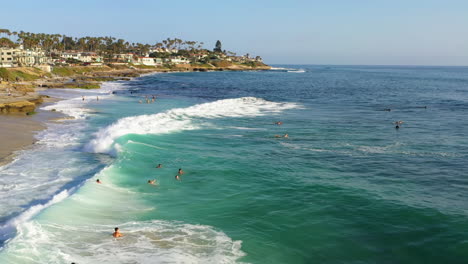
14	57
148	61
124	57
180	60
7	57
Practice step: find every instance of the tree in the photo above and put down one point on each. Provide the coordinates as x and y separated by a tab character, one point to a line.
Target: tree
218	47
4	42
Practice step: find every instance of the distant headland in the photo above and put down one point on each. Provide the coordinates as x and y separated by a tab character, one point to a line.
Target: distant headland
31	60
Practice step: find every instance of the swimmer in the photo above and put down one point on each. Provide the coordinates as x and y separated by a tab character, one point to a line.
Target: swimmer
177	177
82	98
98	181
117	233
159	166
279	123
398	123
152	182
180	172
286	136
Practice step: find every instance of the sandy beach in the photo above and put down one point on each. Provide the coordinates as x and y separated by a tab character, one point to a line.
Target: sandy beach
18	131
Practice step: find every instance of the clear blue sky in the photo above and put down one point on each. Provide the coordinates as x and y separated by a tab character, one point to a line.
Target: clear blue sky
402	32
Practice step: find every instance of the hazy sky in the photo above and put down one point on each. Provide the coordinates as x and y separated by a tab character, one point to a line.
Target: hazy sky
402	32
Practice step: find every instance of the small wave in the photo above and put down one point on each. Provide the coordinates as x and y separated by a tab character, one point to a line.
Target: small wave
180	119
143	242
297	71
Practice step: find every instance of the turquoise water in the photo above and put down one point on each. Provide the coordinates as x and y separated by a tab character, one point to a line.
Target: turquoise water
344	187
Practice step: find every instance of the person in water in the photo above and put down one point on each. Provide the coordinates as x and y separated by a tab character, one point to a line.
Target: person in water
82	98
279	123
117	233
152	182
286	136
180	172
159	166
98	181
177	177
398	124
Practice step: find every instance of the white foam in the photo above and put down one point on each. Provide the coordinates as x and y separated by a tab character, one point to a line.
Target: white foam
9	227
297	71
74	105
143	242
180	119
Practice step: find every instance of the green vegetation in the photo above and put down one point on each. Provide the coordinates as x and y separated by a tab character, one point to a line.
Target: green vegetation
17	75
4	42
82	85
253	64
222	63
218	47
142	66
66	71
63	71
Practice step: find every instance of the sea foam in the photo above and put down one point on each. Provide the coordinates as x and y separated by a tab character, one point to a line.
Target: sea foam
180	119
144	242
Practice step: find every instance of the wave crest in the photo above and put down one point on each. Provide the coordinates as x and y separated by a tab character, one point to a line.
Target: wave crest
180	119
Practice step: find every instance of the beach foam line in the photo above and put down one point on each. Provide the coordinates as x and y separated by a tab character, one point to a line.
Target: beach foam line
7	229
73	105
143	242
180	119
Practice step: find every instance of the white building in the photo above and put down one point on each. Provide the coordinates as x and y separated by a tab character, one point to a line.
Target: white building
14	57
148	61
180	60
7	57
71	55
124	57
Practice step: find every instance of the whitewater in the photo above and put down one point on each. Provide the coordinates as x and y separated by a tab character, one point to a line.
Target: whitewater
345	186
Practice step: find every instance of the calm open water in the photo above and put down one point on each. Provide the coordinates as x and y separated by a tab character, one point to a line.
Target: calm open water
345	187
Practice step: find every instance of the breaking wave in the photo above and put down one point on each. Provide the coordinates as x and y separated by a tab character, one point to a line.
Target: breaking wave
180	119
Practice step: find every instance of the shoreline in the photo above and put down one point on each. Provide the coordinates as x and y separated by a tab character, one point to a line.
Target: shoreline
19	131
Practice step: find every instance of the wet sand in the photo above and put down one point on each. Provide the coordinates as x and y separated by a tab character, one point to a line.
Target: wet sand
18	131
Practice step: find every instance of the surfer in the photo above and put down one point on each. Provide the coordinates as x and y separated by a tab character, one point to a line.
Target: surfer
180	172
97	98
117	233
98	181
279	123
159	166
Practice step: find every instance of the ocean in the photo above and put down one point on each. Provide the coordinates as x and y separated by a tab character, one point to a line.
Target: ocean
345	186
